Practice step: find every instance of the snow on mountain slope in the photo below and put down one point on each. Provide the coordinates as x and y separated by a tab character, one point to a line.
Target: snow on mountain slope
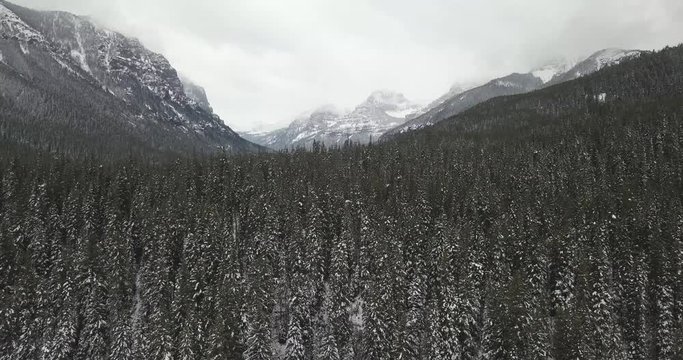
381	111
196	93
548	75
36	44
12	26
120	64
609	57
548	72
509	85
456	89
596	62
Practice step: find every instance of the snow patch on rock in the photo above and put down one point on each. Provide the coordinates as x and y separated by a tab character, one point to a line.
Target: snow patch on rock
545	74
401	114
79	55
12	26
548	72
504	83
609	57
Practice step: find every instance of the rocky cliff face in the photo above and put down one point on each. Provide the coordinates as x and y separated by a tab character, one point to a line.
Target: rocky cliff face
197	94
57	49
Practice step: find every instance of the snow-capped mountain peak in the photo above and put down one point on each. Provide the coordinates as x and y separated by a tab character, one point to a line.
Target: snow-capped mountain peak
596	62
393	104
381	111
612	56
454	103
386	97
547	72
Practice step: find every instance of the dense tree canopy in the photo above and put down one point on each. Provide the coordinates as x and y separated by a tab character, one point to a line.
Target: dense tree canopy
547	225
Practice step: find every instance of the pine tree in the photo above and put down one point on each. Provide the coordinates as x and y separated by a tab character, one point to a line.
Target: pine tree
295	342
326	344
93	337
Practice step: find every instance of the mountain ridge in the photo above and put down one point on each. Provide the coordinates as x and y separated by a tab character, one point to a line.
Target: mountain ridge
381	110
54	49
603	90
513	84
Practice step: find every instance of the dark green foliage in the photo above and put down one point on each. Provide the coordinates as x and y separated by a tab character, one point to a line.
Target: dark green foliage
548	225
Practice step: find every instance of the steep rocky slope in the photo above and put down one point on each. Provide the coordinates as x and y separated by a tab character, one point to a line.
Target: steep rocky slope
81	81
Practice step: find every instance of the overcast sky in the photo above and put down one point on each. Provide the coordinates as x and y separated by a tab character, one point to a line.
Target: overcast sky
262	62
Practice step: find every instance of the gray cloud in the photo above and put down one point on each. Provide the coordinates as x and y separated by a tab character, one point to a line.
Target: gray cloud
264	61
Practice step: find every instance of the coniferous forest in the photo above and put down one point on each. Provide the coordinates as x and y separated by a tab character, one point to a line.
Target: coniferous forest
539	226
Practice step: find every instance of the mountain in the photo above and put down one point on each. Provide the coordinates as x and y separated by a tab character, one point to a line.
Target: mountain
196	93
457	88
381	111
546	225
648	86
595	62
514	84
67	82
509	85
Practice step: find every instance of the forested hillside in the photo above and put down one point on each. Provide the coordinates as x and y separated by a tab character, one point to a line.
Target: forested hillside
514	84
540	226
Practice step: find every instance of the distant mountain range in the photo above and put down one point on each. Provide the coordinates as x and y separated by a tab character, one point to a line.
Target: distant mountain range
67	84
386	113
513	84
65	81
380	112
